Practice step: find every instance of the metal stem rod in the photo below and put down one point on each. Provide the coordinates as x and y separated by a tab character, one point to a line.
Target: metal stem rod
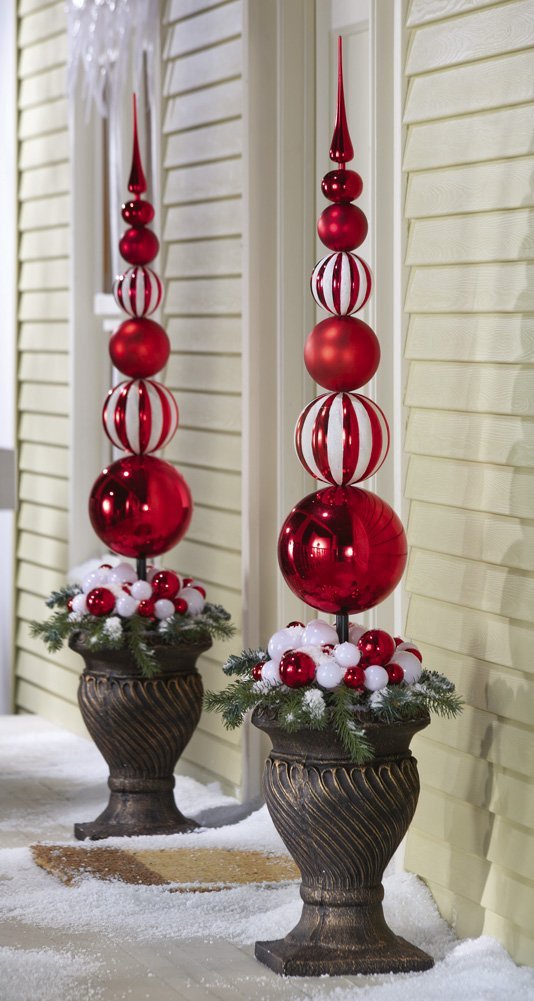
342	627
141	567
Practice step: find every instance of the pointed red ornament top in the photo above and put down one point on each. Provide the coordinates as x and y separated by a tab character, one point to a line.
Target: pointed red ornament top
137	180
341	149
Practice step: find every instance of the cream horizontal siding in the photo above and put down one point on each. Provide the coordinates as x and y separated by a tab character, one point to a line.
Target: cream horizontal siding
470	438
202	188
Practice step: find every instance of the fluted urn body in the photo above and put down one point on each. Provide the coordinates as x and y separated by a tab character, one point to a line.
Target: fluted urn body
342	824
141	727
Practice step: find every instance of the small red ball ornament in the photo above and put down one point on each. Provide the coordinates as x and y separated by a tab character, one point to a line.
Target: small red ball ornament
256	672
398	640
139	347
297	669
140	246
395	673
295	623
342	353
146	608
180	606
100	601
140	506
342	549
165	584
137	213
340	227
354	677
377	646
342	185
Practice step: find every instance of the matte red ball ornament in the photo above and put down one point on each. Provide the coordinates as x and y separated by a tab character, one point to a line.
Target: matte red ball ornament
180	606
377	646
100	601
139	348
297	669
354	677
341	283
295	623
342	550
342	185
342	353
165	584
342	438
256	672
395	673
146	608
140	506
140	246
140	416
342	226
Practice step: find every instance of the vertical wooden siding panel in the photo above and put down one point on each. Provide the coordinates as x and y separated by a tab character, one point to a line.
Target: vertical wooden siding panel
472	564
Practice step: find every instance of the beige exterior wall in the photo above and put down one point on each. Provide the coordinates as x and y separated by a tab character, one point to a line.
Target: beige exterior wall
470	394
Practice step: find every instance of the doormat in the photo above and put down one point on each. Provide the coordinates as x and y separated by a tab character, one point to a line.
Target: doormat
195	870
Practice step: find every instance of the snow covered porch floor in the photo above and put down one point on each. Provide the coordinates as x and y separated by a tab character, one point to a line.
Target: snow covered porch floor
110	941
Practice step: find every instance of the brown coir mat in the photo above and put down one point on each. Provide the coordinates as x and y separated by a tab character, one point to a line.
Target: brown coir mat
184	870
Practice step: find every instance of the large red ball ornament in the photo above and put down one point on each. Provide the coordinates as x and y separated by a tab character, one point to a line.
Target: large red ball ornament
140	506
341	283
377	646
140	416
138	291
297	669
342	438
342	550
341	227
100	601
342	353
342	185
139	348
140	246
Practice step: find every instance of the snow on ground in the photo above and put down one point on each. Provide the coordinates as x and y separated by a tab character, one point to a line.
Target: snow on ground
49	779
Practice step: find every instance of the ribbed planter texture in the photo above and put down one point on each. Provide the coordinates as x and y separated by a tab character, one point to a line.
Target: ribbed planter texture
342	824
141	727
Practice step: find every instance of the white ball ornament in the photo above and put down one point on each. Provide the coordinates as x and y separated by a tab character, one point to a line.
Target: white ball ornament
126	606
375	678
97	578
270	673
123	573
194	599
141	590
318	632
283	640
347	654
329	674
163	609
355	631
411	665
79	604
410	648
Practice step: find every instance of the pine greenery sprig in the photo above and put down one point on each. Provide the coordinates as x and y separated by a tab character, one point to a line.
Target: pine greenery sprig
342	708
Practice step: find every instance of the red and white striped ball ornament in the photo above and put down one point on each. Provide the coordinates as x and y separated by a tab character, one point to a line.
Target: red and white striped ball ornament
138	291
341	283
140	416
342	438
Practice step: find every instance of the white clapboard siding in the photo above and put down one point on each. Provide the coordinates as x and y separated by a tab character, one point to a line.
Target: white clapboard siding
45	683
202	228
470	440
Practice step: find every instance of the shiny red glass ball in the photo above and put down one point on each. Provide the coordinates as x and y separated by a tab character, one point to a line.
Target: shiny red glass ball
140	506
297	669
342	549
180	606
201	590
139	347
165	584
342	353
137	212
146	608
342	226
354	677
139	246
295	622
395	674
342	185
377	646
100	601
256	672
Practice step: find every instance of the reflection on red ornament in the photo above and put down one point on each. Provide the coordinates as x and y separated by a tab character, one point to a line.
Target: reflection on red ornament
139	347
342	353
342	550
297	669
140	506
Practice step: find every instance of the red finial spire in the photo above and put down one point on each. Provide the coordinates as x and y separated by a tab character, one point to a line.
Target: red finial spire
341	149
137	181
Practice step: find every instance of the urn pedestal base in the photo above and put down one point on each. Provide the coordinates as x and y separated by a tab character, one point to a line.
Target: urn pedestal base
141	726
342	823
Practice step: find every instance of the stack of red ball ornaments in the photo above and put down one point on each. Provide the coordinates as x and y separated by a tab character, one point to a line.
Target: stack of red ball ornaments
139	506
342	549
369	661
118	591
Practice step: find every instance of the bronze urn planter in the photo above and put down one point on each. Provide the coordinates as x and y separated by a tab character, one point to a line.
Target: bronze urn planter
342	824
141	726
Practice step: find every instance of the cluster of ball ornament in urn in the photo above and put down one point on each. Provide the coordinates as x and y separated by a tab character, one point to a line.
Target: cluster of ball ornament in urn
342	549
139	505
